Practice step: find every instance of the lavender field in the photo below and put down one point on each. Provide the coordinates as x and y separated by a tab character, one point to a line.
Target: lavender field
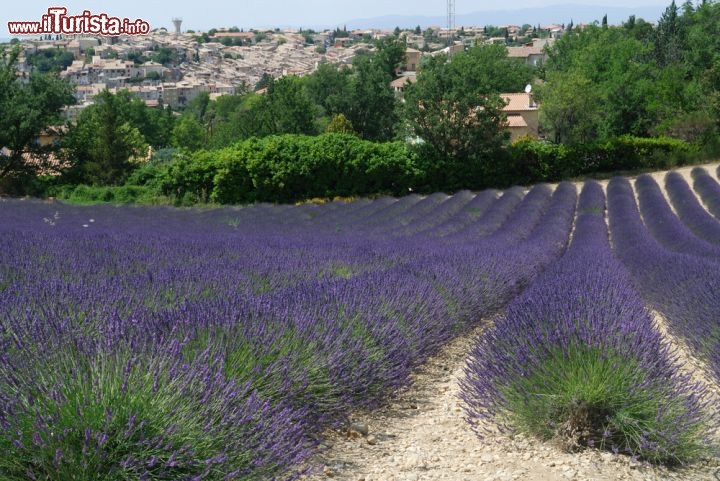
159	343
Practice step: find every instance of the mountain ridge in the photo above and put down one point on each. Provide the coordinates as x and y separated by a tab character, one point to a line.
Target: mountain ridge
552	14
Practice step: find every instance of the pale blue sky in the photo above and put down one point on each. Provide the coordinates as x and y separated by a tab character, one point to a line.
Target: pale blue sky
205	14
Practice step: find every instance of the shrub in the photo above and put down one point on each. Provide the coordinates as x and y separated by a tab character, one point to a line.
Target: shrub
589	369
289	168
534	161
118	414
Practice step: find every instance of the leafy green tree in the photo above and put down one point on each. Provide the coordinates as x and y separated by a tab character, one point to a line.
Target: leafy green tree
103	145
27	109
154	123
264	81
289	108
372	102
569	112
165	56
50	60
340	125
670	36
329	87
188	133
456	112
235	117
390	54
630	93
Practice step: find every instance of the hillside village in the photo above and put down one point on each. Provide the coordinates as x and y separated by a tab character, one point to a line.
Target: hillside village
172	68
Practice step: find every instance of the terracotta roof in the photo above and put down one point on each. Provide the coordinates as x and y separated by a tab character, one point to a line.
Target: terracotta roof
517	102
404	80
516	121
524	52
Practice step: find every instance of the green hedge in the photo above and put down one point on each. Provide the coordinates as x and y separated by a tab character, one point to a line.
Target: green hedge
288	168
123	194
537	161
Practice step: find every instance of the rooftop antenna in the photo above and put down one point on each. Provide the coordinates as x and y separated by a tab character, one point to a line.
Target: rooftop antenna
177	21
450	21
531	102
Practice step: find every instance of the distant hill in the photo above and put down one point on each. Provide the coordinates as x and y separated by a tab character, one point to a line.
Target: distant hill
558	14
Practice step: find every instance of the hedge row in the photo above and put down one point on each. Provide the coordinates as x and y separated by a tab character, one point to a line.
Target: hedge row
536	161
288	168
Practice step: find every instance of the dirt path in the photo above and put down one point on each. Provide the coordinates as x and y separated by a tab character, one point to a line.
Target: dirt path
422	435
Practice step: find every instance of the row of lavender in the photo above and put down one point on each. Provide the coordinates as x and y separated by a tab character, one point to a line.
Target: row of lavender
157	343
576	358
675	259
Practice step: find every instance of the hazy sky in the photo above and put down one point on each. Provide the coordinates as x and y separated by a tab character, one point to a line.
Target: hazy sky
205	14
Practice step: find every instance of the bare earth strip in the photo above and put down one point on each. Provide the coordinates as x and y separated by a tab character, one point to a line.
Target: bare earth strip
422	435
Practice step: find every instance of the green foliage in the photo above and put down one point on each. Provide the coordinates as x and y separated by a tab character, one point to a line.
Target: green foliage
52	60
286	168
603	82
27	109
329	88
188	133
190	177
532	161
288	107
122	194
455	109
585	396
340	125
104	145
390	53
166	56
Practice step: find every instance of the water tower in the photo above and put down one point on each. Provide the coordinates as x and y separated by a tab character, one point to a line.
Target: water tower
177	22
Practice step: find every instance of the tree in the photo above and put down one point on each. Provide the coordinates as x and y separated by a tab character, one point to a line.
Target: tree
456	113
188	133
371	108
569	112
238	117
488	69
340	125
289	108
27	109
670	36
390	54
329	87
103	145
264	81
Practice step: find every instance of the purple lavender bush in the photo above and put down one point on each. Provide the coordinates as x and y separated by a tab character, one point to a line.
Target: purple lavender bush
708	189
681	286
575	358
158	343
665	226
689	209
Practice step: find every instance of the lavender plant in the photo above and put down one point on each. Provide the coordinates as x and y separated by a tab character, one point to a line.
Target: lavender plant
681	286
665	226
588	370
708	189
689	209
157	343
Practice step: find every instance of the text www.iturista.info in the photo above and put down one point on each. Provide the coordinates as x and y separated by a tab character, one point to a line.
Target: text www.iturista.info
57	21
